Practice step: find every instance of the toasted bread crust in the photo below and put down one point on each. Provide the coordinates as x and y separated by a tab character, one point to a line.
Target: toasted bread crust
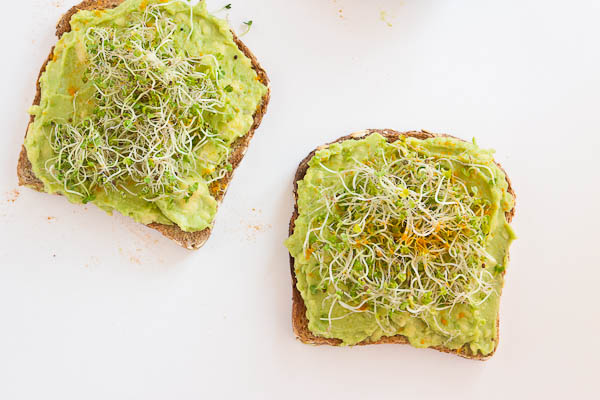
189	240
299	319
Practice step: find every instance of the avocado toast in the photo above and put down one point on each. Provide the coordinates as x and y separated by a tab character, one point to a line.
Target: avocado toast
146	108
400	238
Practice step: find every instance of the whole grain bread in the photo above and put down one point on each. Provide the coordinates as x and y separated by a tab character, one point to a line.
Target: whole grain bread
299	319
189	240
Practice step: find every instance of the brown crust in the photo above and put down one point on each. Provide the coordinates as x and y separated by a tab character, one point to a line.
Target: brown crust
189	240
299	319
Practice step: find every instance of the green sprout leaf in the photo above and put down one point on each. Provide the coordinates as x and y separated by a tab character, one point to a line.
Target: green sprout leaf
149	122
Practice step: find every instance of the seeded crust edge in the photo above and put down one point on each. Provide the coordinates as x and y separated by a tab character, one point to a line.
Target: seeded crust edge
189	240
299	319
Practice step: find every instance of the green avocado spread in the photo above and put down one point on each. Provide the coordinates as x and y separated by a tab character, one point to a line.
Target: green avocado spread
403	238
139	108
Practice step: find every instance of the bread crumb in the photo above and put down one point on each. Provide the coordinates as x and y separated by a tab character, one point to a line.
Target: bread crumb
13	195
253	229
134	259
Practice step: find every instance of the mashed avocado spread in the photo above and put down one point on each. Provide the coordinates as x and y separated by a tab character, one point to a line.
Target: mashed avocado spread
139	107
408	238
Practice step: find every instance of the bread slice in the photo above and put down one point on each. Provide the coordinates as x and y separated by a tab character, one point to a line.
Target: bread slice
299	319
189	240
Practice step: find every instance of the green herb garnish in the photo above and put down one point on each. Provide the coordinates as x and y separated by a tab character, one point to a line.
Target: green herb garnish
400	233
151	120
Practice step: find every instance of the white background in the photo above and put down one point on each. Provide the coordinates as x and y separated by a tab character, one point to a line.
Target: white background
97	307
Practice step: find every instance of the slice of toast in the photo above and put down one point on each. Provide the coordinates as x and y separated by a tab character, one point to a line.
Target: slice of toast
299	319
189	240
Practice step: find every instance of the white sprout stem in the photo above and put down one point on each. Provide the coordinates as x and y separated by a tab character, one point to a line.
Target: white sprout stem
400	234
149	128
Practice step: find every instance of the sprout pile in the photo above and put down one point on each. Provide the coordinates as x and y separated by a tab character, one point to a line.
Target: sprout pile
399	232
151	117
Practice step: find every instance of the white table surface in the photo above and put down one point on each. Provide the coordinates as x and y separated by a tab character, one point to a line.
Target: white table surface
98	307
